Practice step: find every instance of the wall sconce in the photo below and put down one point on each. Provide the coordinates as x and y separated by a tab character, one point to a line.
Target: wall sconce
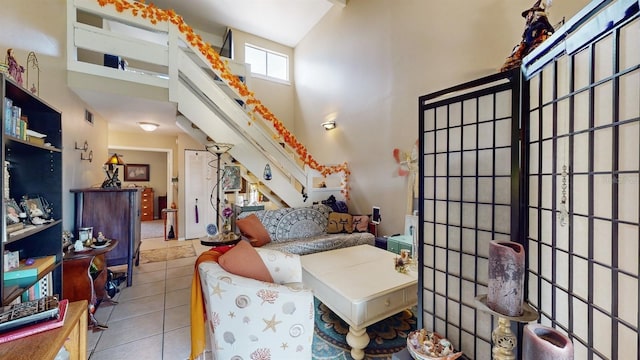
329	125
84	149
148	126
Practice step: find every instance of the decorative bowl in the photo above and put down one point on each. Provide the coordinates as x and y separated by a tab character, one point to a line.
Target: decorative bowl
429	345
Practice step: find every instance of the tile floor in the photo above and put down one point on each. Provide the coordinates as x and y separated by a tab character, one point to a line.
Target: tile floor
151	320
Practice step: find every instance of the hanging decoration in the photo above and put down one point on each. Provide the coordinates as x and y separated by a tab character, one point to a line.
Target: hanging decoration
220	68
267	172
408	166
33	73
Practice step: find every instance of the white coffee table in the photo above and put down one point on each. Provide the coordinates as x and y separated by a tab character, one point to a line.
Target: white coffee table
361	286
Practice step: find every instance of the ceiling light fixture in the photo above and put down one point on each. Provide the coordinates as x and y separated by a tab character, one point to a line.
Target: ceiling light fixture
148	126
329	125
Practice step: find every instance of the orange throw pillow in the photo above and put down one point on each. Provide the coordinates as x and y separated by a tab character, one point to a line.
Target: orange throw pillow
243	260
252	228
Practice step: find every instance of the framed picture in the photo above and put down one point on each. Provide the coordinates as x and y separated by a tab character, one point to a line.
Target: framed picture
136	172
35	207
13	212
231	179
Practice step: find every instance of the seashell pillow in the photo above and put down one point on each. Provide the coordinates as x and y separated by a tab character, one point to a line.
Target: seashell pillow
284	267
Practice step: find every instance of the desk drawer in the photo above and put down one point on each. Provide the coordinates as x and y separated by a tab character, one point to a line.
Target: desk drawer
394	301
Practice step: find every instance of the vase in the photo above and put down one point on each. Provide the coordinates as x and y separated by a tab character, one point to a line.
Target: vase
506	278
541	342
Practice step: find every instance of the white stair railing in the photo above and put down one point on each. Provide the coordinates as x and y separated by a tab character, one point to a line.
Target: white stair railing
161	56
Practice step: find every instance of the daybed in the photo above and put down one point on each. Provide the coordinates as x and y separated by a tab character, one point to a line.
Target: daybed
304	230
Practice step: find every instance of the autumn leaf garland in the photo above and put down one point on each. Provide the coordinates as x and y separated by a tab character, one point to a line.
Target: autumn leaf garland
155	15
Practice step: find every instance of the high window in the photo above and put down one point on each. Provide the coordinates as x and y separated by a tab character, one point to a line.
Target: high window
266	63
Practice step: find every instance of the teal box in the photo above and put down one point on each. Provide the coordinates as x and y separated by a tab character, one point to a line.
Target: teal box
20	277
399	242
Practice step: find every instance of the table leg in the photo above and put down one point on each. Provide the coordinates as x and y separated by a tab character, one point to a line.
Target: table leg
358	339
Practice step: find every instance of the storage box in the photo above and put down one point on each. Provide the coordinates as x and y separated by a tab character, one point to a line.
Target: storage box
399	242
26	275
112	61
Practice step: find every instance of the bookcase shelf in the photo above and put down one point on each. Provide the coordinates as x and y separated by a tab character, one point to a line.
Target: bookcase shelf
33	170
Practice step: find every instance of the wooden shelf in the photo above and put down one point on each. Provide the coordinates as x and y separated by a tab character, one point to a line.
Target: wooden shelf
46	345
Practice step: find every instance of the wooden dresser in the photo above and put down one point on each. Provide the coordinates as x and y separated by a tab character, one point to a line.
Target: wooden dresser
146	204
116	213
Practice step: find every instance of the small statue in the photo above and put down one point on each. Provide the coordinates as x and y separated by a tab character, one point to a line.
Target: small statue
15	69
537	29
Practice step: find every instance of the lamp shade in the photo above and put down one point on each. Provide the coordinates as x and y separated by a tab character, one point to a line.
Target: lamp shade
115	159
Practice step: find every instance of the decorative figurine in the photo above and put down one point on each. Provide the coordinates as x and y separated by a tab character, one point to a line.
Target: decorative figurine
15	69
537	29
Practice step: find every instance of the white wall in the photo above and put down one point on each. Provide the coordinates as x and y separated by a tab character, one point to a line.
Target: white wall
27	26
371	60
278	97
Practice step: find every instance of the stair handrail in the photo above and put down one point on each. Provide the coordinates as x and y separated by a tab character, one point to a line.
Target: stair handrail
155	15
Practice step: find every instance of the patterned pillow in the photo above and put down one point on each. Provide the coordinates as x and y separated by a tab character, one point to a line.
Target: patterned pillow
339	223
290	223
283	267
360	223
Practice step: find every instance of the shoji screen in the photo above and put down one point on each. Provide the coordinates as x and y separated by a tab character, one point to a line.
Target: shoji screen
584	189
466	137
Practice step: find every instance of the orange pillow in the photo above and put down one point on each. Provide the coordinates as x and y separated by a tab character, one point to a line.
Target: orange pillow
252	228
243	260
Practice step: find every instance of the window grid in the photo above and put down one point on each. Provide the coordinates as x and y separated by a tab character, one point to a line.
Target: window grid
594	322
465	204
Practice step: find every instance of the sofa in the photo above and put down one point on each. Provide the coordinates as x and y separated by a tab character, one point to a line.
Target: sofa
304	230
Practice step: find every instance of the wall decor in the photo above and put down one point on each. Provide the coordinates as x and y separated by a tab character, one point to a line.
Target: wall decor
231	179
136	172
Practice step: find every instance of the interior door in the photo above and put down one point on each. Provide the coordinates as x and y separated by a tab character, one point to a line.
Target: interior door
200	179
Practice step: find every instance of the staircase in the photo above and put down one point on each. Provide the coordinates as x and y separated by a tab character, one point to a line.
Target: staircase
164	66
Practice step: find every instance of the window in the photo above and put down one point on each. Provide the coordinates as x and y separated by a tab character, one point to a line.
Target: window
267	63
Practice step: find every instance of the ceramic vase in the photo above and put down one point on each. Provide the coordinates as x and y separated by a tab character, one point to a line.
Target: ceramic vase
506	277
540	342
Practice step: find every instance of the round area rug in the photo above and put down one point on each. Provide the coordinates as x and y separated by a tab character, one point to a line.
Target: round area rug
386	337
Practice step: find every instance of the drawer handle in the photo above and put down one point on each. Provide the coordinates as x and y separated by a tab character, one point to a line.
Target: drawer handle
387	302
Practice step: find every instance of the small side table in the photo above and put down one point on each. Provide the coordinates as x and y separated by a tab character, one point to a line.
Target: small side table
78	282
170	217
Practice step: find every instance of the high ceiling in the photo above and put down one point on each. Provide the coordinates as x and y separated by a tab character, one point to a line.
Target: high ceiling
282	21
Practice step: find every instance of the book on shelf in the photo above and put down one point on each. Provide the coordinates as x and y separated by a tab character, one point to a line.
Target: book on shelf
39	327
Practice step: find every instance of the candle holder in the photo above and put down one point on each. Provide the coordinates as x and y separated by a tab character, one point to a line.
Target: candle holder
504	341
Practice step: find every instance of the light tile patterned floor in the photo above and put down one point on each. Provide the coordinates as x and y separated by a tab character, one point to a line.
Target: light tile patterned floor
151	320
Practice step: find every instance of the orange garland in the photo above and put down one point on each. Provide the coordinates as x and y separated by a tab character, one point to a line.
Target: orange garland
155	15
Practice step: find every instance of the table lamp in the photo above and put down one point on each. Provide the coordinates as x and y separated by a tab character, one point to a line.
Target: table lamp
112	181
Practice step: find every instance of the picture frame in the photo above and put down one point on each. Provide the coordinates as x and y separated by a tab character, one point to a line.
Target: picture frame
136	172
35	207
13	212
231	179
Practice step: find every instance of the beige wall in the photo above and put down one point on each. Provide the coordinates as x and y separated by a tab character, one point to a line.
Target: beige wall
28	27
371	60
278	97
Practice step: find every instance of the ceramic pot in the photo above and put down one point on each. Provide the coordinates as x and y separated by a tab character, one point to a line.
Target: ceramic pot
541	342
506	277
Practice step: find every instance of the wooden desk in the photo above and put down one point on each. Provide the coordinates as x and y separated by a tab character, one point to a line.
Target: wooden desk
46	345
77	282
